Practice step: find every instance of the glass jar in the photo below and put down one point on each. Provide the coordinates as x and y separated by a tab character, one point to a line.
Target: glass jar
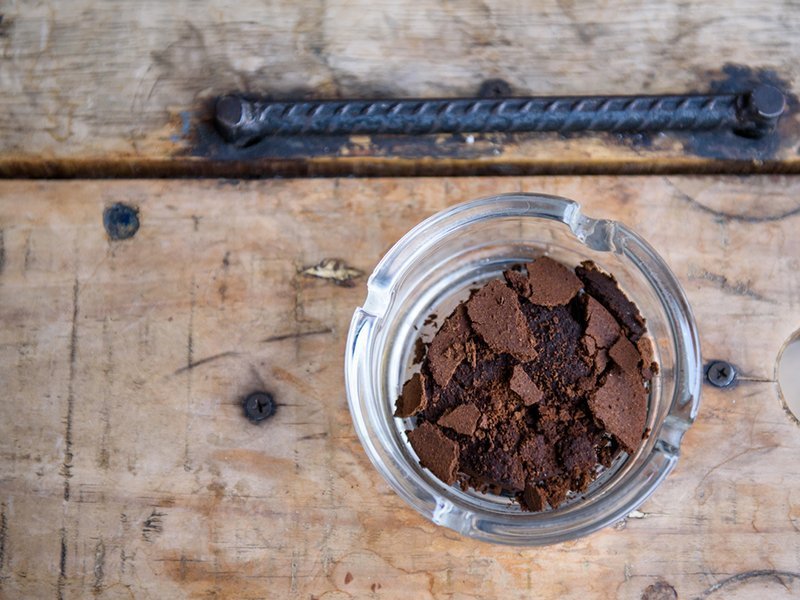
433	268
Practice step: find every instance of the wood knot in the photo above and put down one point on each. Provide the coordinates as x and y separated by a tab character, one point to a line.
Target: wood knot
660	590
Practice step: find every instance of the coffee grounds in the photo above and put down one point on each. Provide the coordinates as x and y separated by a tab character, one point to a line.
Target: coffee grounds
532	385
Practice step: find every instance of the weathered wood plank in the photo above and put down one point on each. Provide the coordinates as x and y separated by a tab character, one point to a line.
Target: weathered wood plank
122	89
142	350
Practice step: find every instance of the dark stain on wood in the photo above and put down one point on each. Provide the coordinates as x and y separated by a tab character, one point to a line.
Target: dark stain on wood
153	525
392	166
2	251
62	566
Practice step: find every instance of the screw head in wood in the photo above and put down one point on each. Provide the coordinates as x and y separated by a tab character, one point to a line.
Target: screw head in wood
259	406
121	221
721	373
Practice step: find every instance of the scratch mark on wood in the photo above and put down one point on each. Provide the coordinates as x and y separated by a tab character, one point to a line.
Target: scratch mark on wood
103	455
66	468
2	251
257	377
301	334
740	577
124	558
62	566
788	516
314	436
737	288
3	534
729	460
205	360
99	566
187	465
750	379
28	254
293	573
153	525
728	216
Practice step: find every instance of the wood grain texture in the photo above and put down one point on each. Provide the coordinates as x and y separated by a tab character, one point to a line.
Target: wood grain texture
123	366
120	88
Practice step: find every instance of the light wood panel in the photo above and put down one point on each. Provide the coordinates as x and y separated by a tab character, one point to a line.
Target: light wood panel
122	88
128	470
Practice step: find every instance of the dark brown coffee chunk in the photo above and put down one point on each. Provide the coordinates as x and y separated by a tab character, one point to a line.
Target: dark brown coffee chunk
602	328
578	455
605	289
436	451
620	405
533	499
529	391
539	457
519	282
495	314
524	387
500	469
448	350
413	398
551	283
462	419
649	365
625	354
556	491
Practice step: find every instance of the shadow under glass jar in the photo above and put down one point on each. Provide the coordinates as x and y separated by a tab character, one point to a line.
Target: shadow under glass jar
433	268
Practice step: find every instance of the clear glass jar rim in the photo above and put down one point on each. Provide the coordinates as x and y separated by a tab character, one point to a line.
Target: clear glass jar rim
519	528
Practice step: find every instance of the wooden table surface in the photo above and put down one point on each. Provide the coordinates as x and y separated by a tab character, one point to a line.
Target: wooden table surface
127	468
